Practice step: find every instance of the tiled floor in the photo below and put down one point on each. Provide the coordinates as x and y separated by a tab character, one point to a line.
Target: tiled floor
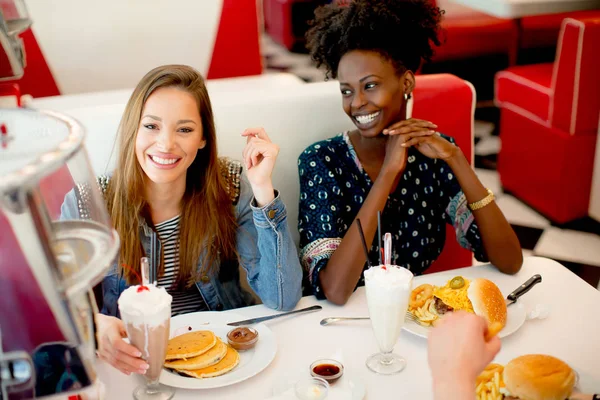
578	248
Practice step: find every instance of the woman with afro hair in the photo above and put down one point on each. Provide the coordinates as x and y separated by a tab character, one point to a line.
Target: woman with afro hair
418	178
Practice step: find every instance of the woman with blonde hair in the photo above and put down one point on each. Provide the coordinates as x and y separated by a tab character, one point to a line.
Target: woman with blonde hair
195	216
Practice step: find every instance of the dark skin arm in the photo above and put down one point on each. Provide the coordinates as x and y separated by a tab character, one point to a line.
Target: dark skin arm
345	266
499	240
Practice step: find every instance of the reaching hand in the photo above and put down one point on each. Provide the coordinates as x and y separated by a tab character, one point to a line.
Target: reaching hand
458	351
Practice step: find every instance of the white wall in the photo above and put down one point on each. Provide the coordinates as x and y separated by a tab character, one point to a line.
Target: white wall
93	45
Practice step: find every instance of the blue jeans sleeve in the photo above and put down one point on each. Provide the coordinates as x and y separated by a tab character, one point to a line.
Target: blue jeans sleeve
267	251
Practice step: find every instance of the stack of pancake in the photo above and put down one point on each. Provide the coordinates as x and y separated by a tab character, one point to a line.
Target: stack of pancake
200	354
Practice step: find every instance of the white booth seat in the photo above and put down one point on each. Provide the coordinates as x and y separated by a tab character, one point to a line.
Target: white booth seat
294	114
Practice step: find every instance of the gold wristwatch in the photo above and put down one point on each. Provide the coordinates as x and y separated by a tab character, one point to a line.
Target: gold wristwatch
483	202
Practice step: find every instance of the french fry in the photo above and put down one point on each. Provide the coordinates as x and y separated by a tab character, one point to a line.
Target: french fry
493	330
486	375
489	383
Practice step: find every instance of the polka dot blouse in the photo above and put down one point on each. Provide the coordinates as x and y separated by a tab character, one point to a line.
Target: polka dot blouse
333	187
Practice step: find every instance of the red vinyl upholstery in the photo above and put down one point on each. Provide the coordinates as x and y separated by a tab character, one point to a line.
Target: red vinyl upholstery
476	34
543	30
433	94
549	124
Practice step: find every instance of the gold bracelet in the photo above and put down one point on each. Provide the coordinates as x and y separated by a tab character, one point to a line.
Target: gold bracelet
483	202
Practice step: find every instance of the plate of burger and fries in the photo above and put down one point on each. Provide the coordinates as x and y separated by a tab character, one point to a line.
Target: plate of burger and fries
433	297
534	377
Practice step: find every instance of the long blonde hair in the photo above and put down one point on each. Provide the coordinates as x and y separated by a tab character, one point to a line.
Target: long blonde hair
205	195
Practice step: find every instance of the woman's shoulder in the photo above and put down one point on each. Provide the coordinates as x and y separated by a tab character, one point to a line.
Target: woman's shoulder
328	147
231	171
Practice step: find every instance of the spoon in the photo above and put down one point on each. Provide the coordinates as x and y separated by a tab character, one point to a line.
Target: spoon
331	320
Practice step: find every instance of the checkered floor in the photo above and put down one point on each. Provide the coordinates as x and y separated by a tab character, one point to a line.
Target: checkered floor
575	245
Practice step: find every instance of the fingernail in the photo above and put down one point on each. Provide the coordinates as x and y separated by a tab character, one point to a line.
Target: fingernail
432	132
145	366
142	372
403	145
138	354
434	125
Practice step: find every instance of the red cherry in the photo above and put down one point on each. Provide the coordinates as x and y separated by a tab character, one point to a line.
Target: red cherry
142	288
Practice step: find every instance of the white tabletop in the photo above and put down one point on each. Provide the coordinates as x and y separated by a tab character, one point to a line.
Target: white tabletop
525	8
570	333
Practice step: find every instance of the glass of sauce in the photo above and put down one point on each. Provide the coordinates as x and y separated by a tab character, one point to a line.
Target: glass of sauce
243	338
328	369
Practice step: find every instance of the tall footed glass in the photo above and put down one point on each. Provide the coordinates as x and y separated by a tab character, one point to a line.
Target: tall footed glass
388	292
146	313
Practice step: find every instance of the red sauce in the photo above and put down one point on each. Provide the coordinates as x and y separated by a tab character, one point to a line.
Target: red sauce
326	370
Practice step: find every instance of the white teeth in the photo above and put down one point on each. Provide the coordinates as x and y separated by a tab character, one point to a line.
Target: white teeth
366	119
164	161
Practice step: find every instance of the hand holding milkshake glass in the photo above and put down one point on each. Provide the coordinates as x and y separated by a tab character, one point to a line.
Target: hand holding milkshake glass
146	313
388	290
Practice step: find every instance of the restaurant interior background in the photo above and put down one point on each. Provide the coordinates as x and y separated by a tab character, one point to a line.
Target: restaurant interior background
117	42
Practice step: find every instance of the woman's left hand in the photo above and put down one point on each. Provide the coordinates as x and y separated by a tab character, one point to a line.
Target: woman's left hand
432	146
259	157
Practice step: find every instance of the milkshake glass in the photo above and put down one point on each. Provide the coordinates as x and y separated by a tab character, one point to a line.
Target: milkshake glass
388	292
146	313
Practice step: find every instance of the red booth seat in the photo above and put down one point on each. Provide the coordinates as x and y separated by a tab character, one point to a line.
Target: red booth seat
476	34
543	30
549	124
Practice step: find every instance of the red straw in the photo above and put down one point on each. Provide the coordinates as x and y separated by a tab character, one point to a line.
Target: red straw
142	286
3	136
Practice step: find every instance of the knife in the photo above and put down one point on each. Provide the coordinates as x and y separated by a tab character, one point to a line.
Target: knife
524	288
269	317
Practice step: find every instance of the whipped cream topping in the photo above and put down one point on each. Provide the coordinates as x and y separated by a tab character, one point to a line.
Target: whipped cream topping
389	276
145	307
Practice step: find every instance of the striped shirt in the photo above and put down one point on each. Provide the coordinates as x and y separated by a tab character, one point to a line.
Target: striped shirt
185	300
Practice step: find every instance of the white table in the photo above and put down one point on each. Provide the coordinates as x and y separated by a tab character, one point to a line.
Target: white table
570	333
525	8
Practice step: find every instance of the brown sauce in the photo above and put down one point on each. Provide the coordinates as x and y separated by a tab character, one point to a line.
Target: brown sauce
326	370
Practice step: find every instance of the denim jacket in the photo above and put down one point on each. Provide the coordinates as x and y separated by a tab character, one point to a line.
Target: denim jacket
264	244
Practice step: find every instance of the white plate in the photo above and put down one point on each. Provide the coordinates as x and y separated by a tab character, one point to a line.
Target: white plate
516	313
251	361
284	388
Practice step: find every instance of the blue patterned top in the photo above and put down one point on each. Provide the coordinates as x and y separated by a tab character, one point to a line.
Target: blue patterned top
334	185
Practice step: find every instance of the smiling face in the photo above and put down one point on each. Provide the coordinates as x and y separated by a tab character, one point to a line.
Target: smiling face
372	91
169	135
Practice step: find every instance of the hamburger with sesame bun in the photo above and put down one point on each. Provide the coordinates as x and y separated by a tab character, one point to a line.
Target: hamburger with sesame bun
480	296
537	377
